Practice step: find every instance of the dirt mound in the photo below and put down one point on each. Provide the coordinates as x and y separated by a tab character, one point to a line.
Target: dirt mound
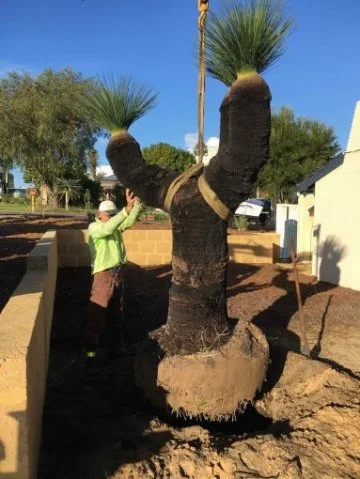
315	434
100	427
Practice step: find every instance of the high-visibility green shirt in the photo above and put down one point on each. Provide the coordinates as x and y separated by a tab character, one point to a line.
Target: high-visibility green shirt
105	239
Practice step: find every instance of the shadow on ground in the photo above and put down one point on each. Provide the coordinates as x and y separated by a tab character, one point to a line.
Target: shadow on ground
91	424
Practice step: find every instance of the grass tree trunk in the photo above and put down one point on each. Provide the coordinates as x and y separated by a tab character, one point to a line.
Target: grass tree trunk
197	319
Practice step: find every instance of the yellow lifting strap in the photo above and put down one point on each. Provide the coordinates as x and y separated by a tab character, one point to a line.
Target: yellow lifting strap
212	199
208	194
180	180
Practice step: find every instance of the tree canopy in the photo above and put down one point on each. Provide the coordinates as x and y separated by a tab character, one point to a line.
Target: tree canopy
41	127
298	146
168	156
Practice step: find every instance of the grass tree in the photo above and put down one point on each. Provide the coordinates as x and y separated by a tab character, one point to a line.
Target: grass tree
115	103
69	189
201	362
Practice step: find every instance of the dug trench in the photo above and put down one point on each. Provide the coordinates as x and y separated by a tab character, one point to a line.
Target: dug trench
304	423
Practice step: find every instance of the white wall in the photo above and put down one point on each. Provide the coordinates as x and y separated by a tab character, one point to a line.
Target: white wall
336	256
306	202
286	227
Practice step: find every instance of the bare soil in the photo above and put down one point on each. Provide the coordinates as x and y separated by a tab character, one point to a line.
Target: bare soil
18	236
305	422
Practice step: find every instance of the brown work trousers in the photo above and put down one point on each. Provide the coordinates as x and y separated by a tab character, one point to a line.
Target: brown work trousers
103	327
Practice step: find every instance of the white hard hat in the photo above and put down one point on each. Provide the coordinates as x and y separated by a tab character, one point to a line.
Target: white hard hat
108	207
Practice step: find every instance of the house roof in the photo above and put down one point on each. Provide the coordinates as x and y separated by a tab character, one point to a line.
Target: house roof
320	173
110	178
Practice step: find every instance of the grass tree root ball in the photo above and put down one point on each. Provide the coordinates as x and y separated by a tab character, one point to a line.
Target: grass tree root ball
209	384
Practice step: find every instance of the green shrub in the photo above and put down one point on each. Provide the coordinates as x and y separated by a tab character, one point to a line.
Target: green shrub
94	189
162	217
241	222
9	199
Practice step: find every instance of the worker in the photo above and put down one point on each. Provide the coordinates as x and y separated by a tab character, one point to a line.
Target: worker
103	329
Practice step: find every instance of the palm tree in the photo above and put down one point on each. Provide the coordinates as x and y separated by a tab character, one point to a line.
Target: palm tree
68	189
217	383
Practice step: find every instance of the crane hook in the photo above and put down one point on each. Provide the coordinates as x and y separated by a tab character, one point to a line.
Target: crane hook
203	5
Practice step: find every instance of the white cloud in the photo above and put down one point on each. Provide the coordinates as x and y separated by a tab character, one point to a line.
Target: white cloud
105	170
191	140
213	142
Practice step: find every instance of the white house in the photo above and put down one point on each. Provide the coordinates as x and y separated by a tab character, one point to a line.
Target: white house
329	215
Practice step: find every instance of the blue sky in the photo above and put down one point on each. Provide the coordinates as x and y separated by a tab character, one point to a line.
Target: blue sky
155	42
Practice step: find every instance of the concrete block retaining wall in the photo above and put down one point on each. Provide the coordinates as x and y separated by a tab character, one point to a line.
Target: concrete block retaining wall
25	326
153	247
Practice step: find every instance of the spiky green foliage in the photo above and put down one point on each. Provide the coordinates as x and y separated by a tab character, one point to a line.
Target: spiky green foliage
68	189
116	103
248	37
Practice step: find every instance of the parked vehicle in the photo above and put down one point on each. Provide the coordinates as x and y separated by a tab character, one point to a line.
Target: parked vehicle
257	210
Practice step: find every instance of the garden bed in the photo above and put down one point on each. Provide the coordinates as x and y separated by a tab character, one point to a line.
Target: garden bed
305	422
18	236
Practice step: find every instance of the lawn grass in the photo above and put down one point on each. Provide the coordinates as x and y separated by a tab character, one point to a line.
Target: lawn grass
26	208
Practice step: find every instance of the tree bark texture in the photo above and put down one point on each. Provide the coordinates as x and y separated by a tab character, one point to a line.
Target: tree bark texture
197	318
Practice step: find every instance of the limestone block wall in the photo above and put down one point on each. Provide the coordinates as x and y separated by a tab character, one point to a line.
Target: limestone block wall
146	247
153	247
25	325
260	248
73	249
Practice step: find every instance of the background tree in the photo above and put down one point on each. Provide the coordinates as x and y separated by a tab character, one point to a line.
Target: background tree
6	165
41	127
298	146
94	188
168	156
92	161
69	189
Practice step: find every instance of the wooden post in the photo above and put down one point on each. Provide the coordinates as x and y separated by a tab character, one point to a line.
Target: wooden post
304	347
32	193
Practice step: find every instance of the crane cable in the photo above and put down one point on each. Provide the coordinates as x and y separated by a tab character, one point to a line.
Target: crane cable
196	170
203	6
